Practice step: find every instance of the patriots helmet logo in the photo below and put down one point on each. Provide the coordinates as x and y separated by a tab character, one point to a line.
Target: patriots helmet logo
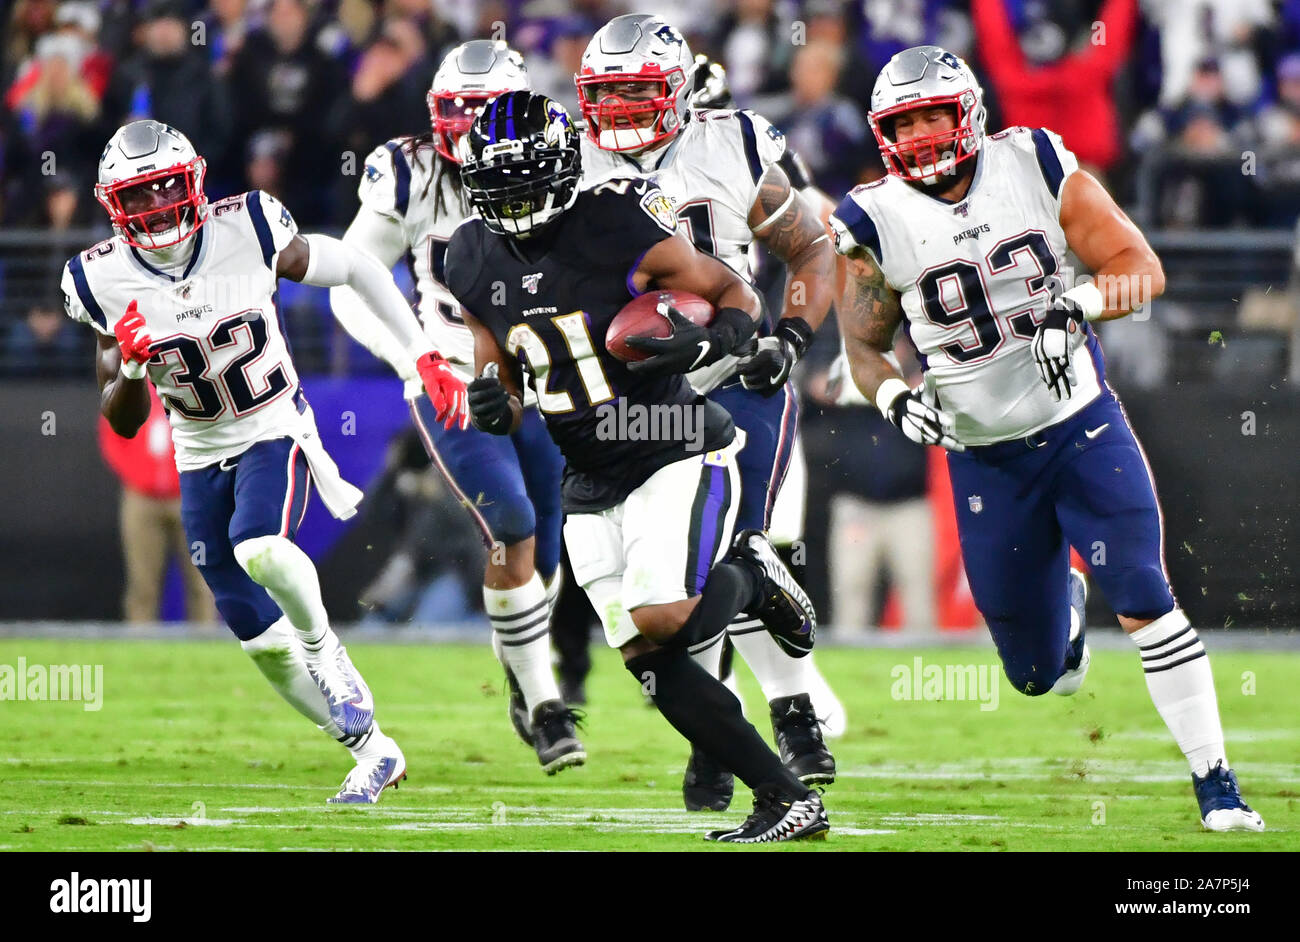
669	34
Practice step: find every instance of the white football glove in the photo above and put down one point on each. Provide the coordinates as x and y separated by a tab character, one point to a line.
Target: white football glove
919	420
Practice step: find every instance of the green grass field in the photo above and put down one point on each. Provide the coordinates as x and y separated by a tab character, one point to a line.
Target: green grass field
192	750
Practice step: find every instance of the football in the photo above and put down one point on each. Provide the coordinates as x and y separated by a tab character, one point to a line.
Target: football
641	317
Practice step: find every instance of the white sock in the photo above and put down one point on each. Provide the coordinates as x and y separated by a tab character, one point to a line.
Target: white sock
708	653
1182	688
521	638
279	655
289	576
375	744
779	674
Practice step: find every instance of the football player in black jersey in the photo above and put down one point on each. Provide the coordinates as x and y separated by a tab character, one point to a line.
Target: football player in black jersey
650	465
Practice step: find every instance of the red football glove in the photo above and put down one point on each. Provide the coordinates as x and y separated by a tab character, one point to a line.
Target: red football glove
445	389
131	336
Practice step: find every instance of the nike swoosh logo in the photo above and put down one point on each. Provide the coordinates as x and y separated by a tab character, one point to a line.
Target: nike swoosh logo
1094	432
704	346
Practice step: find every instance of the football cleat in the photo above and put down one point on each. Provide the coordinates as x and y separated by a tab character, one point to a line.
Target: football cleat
778	817
555	737
518	710
785	609
799	739
706	786
351	705
370	777
1077	656
1222	808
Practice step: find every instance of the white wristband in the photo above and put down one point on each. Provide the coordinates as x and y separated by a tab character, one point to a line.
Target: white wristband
888	391
1088	297
133	369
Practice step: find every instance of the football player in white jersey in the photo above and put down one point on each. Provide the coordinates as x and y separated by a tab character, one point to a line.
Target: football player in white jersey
720	169
412	201
184	294
964	243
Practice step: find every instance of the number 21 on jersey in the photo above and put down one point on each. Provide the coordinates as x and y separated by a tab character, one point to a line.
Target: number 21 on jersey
573	328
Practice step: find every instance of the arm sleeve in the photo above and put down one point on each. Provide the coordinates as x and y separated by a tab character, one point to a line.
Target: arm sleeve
331	263
382	237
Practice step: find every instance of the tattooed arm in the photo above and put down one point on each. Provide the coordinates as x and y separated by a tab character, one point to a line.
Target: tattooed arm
869	314
782	221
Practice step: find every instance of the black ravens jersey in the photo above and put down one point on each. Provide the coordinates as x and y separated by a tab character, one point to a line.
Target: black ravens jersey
549	300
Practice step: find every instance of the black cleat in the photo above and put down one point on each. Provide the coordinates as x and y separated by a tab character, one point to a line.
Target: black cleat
555	737
778	817
518	710
785	609
799	740
707	786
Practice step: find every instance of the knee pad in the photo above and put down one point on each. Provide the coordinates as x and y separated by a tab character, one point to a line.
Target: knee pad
511	519
264	557
1135	591
248	618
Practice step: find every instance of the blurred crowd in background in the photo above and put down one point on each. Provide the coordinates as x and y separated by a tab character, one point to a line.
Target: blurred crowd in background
1189	110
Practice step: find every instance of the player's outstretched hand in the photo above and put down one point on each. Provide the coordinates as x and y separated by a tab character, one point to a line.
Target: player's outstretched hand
445	389
919	420
489	403
1054	343
689	347
134	341
767	369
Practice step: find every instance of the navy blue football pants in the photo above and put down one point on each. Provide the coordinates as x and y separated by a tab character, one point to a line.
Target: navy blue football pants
510	484
1021	504
261	492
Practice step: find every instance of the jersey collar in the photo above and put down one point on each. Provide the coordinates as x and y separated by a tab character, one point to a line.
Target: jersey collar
189	266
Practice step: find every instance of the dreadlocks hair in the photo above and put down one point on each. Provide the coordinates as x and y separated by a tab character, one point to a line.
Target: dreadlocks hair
417	143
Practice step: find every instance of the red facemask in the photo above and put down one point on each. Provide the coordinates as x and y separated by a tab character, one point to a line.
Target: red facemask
147	208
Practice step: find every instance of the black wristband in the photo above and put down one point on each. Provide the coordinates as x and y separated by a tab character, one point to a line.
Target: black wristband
796	330
733	327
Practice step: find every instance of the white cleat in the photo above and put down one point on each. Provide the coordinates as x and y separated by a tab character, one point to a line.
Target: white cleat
1222	807
367	781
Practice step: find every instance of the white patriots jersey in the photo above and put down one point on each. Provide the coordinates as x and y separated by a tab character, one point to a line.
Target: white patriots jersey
711	173
398	184
221	363
973	278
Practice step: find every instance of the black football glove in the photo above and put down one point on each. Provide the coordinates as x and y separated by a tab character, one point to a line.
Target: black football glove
769	367
919	420
1054	344
690	346
489	404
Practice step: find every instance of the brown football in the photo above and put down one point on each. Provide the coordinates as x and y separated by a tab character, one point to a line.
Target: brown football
640	317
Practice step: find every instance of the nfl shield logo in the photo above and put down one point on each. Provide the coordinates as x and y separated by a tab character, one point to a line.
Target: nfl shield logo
976	503
530	282
961	210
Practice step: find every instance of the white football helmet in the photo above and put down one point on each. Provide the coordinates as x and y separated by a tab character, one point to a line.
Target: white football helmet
921	77
470	75
631	50
151	185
